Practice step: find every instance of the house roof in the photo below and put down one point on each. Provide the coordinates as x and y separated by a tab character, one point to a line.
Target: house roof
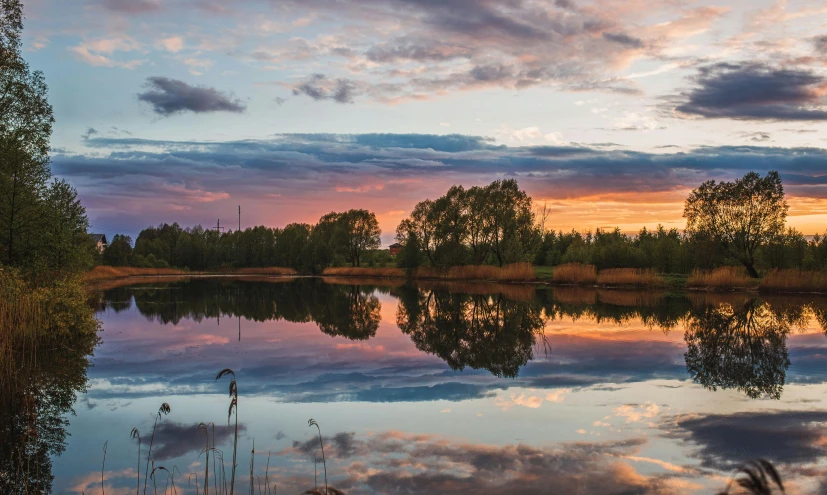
99	238
396	245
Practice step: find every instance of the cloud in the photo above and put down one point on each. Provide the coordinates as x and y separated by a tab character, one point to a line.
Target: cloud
758	137
132	6
319	87
99	53
396	462
173	44
90	131
170	96
175	440
726	441
752	91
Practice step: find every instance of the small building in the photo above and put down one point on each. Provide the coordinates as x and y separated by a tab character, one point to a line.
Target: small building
100	241
394	249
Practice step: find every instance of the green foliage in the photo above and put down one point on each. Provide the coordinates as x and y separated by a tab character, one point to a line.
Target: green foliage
42	225
492	224
119	251
740	216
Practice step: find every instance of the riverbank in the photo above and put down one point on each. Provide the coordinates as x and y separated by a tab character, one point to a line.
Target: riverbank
723	279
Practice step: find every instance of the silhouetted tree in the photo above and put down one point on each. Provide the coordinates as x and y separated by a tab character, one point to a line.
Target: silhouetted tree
740	216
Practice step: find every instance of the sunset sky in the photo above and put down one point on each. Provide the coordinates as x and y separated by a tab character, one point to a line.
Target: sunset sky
608	110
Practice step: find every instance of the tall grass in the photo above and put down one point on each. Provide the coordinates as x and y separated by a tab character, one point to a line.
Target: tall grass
515	272
722	278
31	316
575	273
358	271
794	281
629	277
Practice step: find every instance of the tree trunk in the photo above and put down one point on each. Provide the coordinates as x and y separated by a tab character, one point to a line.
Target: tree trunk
751	269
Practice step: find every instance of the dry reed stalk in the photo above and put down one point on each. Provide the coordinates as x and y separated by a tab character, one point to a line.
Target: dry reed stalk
357	271
574	273
794	281
514	272
633	277
725	277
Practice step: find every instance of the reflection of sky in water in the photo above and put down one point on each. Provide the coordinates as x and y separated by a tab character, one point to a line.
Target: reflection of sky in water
608	409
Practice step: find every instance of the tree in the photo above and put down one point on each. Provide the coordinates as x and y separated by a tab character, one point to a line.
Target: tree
25	128
512	232
119	251
65	245
740	215
359	232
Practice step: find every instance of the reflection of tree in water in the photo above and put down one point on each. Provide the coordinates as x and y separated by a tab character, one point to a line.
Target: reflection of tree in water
34	401
740	346
481	331
350	311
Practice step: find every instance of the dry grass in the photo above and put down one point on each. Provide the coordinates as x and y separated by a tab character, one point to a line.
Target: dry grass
515	272
358	271
630	298
629	277
575	273
377	281
723	278
111	272
794	281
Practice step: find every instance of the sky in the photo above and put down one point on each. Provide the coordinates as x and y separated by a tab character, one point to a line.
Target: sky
607	111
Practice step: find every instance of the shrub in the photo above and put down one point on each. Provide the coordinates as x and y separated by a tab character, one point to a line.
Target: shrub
725	277
630	277
794	281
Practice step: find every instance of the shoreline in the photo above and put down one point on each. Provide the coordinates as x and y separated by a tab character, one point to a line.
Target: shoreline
104	283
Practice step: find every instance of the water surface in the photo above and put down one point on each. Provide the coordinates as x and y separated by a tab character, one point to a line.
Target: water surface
479	389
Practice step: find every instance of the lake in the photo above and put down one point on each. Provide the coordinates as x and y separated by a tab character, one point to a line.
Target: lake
467	388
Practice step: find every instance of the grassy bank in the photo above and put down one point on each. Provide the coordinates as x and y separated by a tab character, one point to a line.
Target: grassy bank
794	281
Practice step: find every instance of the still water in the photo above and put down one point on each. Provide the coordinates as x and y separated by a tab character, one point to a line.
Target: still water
434	389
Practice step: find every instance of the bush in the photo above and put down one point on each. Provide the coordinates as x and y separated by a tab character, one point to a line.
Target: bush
574	273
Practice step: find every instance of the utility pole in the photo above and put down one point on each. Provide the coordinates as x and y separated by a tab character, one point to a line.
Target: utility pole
218	227
239	218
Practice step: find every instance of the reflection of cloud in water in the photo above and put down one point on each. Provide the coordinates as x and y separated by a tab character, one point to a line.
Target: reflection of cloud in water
397	462
725	441
177	440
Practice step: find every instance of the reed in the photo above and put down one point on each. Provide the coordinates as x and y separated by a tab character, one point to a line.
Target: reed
575	273
357	271
514	272
722	278
312	422
164	409
629	277
757	477
794	281
135	434
233	406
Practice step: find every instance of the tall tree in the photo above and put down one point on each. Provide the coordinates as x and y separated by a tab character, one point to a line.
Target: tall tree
25	128
740	215
359	232
64	244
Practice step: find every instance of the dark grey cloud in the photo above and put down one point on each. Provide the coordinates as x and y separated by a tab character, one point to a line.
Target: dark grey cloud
727	441
752	91
624	39
279	100
173	440
341	445
319	87
170	96
758	137
90	131
820	44
132	6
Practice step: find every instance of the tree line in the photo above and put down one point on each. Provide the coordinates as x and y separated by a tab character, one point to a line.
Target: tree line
740	222
338	238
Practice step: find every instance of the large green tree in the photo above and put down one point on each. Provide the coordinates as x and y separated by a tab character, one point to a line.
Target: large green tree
740	216
25	128
359	232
